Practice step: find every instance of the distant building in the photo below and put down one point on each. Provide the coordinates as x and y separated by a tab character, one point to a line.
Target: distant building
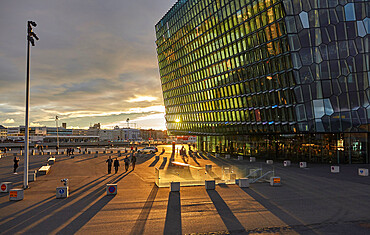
153	134
80	132
116	134
3	133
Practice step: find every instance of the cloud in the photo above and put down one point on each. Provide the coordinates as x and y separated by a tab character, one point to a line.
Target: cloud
9	121
142	98
96	65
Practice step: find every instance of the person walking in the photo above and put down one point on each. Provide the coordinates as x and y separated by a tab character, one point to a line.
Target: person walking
133	161
127	161
116	165
16	160
109	161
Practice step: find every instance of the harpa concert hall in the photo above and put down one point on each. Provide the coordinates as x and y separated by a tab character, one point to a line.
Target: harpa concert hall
280	79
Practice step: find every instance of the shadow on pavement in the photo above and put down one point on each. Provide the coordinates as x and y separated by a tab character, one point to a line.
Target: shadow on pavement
232	223
88	214
173	217
154	162
141	220
45	209
281	214
163	163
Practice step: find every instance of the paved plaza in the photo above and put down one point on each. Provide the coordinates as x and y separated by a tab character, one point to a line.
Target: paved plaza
310	201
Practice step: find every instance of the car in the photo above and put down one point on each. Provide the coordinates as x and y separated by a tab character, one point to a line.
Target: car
148	150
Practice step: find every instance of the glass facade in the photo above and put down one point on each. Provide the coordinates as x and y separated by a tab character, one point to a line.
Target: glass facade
269	77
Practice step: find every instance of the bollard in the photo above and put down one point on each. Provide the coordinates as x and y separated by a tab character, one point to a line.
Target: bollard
363	172
16	194
111	189
31	176
89	152
243	183
111	151
287	163
5	187
303	164
175	186
270	162
51	161
210	184
208	167
252	159
240	158
275	181
104	152
62	192
83	152
334	169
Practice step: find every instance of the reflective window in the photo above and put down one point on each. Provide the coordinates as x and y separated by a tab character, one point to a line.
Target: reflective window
304	19
349	10
361	29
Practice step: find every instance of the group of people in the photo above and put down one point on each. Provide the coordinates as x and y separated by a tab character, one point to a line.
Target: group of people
127	161
70	151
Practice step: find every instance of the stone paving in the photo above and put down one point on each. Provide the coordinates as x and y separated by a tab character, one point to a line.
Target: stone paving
310	201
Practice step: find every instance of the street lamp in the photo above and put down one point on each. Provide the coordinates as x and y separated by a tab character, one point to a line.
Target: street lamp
56	123
30	39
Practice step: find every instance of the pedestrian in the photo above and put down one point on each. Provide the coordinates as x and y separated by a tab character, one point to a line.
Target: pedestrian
132	148
116	165
133	161
135	148
72	150
16	160
126	160
109	161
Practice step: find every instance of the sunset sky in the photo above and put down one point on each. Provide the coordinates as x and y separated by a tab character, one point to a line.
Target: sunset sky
95	62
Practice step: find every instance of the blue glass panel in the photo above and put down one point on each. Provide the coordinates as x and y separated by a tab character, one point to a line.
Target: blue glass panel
367	24
304	19
361	29
318	106
349	10
328	107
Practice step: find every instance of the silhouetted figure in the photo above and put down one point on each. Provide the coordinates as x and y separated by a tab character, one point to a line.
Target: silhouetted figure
116	165
16	160
109	161
133	162
127	162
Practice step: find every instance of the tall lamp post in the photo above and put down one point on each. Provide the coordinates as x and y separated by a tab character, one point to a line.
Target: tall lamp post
56	123
30	39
